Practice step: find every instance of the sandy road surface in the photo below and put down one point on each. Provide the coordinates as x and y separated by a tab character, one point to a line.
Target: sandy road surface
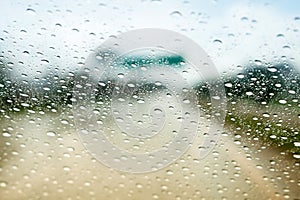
42	158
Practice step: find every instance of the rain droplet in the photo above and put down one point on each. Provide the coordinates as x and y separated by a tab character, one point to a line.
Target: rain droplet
75	30
44	61
258	62
25	104
3	184
64	121
297	144
282	101
240	75
244	19
272	69
249	93
217	41
186	101
99	57
292	92
176	14
67	168
228	85
278	85
26	53
31	11
51	134
157	111
6	134
120	75
297	156
280	35
131	85
266	115
140	101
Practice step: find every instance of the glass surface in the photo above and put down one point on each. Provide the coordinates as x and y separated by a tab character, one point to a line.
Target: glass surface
146	99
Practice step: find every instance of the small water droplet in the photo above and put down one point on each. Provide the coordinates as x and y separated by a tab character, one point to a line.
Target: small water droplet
244	19
31	11
75	30
282	101
51	134
131	85
170	172
249	93
266	115
99	57
10	64
67	168
140	101
217	41
258	62
228	85
297	144
280	35
3	184
240	75
120	75
292	92
6	134
157	111
272	69
44	61
26	53
297	156
64	121
176	14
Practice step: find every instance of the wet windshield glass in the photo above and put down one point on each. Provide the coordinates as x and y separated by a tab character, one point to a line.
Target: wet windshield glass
149	99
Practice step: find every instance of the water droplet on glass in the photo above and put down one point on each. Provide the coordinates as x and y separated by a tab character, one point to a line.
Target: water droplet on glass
240	75
67	168
6	134
3	184
249	93
30	11
282	101
297	144
258	62
51	134
244	19
157	111
280	35
176	14
217	41
44	61
272	69
229	85
64	121
120	75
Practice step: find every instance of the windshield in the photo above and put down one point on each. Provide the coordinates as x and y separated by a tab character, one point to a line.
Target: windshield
152	99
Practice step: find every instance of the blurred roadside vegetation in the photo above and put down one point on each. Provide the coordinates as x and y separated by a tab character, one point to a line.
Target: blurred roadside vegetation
263	99
263	105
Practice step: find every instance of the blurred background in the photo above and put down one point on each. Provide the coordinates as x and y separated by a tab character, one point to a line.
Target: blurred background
253	44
